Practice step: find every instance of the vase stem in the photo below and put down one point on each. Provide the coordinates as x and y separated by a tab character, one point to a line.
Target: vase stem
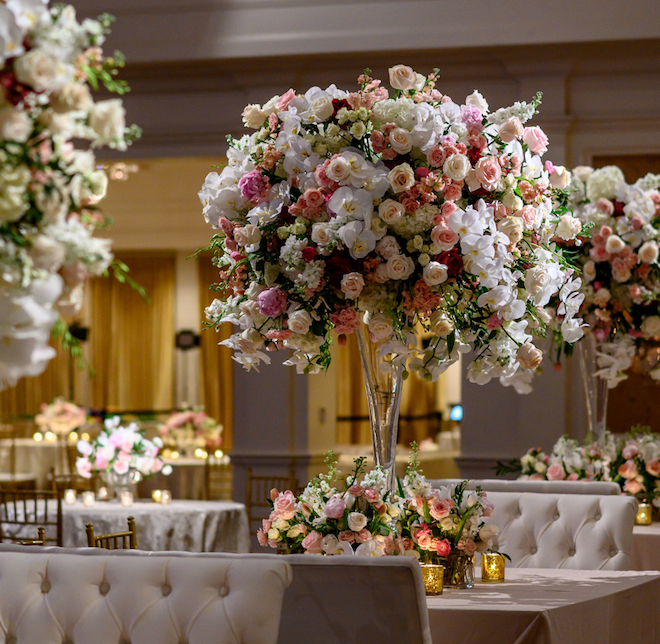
595	389
383	389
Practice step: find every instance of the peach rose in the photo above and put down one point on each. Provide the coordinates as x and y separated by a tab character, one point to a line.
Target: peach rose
488	172
400	140
653	467
511	130
628	470
402	77
648	252
391	211
352	285
400	267
285	505
401	178
633	486
456	167
434	273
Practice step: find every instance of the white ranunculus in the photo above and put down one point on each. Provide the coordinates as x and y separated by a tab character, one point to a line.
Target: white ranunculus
299	322
456	167
648	252
400	267
380	326
388	247
511	200
248	237
329	544
356	521
15	125
108	120
434	273
651	326
321	107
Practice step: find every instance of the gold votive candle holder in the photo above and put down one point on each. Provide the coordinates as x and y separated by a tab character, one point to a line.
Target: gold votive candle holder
69	497
644	514
156	495
492	567
433	576
126	498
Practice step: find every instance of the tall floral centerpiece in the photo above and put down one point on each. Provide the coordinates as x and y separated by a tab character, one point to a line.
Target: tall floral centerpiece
191	432
384	211
61	418
120	454
621	280
49	189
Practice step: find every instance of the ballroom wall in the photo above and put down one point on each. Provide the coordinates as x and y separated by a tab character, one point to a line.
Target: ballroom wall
193	65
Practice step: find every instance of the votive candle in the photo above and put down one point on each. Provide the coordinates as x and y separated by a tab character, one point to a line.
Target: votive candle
69	496
126	498
644	514
156	495
88	498
102	494
492	567
165	497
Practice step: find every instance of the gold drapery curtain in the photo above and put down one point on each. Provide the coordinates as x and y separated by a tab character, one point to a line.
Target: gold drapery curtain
130	347
421	402
216	365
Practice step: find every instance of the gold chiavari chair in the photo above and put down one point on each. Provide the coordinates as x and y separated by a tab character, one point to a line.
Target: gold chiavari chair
62	482
115	540
217	479
39	541
9	478
20	509
258	494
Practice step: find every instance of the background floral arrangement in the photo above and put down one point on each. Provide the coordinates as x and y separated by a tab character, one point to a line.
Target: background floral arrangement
397	208
354	518
120	450
191	429
60	417
49	62
632	460
446	524
621	275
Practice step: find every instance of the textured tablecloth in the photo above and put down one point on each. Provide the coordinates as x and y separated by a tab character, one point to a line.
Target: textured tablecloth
194	526
535	606
645	553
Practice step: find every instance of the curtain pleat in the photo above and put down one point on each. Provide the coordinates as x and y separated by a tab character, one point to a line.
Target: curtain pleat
216	364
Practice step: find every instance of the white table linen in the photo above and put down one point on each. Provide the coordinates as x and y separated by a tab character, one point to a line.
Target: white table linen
541	606
645	553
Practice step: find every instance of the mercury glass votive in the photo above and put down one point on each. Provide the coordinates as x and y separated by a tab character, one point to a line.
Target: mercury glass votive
157	495
644	514
102	494
433	576
126	498
492	567
165	497
88	498
69	497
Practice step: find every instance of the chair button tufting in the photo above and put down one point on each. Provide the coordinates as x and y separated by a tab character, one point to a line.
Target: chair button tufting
571	552
10	640
104	588
555	516
597	517
67	642
533	550
166	590
224	591
45	586
613	552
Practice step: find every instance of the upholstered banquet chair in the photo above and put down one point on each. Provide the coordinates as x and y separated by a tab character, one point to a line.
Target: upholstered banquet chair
581	531
554	487
114	540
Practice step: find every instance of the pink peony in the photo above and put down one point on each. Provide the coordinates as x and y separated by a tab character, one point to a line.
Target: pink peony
272	302
312	543
334	508
556	472
443	548
254	186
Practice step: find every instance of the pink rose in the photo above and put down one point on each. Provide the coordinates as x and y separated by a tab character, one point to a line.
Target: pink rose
285	505
371	495
633	486
528	215
312	543
469	546
449	207
272	302
439	508
628	470
443	548
511	130
556	472
356	490
630	450
488	172
334	508
436	156
284	100
572	477
653	468
536	140
444	237
347	535
362	536
262	538
424	541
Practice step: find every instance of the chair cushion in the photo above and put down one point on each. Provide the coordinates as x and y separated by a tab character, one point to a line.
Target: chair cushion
556	487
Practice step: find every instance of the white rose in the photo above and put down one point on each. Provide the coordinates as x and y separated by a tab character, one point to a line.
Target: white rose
400	267
352	285
356	521
400	140
338	170
402	77
448	524
589	270
478	101
273	534
391	211
614	244
322	107
71	97
621	274
108	120
560	178
602	297
648	252
511	200
401	178
434	273
583	172
358	129
37	69
380	326
248	236
98	185
512	227
569	227
299	322
529	356
456	167
321	234
388	247
47	253
537	280
329	543
15	125
253	116
440	324
651	326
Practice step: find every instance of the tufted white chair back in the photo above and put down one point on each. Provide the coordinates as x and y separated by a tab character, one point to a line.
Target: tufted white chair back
554	487
55	597
581	531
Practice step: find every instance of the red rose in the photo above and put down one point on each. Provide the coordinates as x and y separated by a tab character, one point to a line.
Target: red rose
452	260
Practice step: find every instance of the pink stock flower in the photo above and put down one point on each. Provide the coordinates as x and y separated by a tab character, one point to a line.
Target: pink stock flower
262	538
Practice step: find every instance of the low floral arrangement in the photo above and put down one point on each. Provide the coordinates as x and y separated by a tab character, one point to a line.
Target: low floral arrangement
120	450
190	430
334	515
446	525
632	460
399	208
49	63
621	274
60	417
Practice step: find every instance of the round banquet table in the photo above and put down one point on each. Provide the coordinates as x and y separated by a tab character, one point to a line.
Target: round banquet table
195	526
